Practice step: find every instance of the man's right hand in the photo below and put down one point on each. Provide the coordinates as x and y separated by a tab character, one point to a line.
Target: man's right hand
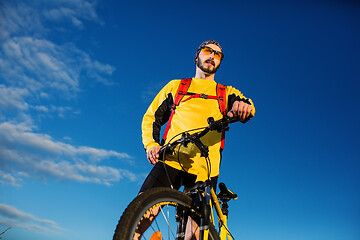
153	155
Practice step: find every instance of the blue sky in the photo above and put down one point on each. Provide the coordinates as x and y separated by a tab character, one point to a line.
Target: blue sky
77	76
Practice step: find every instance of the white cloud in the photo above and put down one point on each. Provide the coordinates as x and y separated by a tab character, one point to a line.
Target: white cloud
22	135
12	97
74	12
41	65
38	155
28	59
12	217
36	72
32	17
18	18
44	65
8	179
35	68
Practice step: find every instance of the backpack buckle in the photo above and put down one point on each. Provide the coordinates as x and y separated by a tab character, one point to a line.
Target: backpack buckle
202	95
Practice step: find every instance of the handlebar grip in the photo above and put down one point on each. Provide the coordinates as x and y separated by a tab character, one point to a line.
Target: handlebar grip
221	124
232	119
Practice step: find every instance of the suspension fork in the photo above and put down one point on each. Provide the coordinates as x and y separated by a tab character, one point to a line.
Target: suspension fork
206	211
181	219
201	205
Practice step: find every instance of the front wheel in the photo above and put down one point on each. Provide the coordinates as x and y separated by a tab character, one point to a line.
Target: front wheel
154	215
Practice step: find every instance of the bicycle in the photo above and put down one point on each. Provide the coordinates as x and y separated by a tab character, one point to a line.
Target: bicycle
183	215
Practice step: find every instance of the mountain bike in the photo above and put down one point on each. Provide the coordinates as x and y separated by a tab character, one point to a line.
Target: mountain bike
165	213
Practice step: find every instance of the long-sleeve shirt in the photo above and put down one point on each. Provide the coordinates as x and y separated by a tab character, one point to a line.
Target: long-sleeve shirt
191	114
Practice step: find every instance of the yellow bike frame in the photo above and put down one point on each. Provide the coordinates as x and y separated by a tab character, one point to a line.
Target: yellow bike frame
224	232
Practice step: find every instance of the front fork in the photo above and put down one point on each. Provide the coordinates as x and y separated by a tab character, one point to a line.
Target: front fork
201	209
181	219
206	211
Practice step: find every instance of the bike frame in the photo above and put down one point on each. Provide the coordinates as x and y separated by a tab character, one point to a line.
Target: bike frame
208	196
224	232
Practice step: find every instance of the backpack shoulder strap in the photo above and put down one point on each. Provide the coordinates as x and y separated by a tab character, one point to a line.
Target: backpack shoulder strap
181	92
221	93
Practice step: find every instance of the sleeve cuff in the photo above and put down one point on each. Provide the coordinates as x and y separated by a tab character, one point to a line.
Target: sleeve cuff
151	145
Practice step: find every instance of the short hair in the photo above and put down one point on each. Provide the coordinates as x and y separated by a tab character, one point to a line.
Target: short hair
206	43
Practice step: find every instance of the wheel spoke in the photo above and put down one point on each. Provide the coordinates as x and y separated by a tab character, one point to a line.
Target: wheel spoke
142	218
167	222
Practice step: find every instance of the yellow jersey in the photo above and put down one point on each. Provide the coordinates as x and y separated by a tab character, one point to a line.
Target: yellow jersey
191	114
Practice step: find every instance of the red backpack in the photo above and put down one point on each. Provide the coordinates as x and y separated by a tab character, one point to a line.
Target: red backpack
182	91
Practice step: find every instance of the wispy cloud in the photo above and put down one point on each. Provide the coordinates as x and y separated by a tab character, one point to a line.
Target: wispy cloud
12	217
32	17
149	92
35	72
29	59
41	65
8	179
13	98
75	12
22	150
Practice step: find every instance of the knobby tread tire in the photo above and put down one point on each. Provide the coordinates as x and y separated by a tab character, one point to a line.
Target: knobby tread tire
135	210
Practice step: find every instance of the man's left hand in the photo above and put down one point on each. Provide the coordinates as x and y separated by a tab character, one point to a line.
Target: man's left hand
241	110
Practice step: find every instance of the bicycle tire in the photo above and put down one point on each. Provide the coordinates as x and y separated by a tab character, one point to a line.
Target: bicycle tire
150	199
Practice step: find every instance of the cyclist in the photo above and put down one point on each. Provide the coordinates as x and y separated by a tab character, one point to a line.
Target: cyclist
186	166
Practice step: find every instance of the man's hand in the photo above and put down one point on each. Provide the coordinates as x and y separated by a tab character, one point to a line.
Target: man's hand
241	110
153	155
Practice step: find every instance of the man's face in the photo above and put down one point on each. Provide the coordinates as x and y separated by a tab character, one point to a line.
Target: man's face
208	63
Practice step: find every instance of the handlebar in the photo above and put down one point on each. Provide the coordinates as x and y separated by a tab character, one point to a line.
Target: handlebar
219	125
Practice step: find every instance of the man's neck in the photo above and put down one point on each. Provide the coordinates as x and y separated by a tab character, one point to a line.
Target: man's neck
202	75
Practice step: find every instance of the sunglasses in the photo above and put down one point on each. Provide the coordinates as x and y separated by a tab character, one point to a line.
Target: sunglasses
217	55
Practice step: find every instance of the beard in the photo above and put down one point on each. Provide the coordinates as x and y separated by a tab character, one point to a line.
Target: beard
208	69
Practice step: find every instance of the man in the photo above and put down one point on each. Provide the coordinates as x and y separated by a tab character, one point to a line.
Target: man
191	113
